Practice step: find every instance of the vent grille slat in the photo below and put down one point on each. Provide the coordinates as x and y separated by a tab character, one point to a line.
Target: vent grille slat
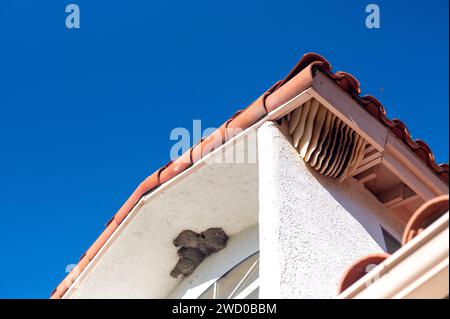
325	142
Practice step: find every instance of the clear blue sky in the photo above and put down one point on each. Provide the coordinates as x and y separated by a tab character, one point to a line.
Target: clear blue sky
86	114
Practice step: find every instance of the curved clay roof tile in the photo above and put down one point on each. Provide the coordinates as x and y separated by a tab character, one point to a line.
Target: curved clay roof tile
348	82
306	60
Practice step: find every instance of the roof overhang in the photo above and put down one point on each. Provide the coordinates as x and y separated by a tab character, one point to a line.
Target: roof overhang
391	170
139	255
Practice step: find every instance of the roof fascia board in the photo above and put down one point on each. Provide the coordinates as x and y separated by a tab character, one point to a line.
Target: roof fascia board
433	284
412	171
396	155
331	95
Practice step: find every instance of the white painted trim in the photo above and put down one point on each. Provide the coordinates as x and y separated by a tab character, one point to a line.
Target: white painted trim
247	291
244	278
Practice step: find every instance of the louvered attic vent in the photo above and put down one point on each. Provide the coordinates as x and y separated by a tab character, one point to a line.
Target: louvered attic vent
324	141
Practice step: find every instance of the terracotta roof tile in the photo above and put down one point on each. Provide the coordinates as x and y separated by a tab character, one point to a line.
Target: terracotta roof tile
359	269
424	216
94	249
298	79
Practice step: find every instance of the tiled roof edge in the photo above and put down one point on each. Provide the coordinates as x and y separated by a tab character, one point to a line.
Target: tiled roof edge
298	79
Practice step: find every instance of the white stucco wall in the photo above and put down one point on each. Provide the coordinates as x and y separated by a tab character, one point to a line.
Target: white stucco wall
311	227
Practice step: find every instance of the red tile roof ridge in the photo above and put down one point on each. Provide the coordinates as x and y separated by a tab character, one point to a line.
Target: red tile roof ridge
297	80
